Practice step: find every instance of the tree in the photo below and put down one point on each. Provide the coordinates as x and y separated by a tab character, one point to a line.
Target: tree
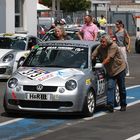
75	5
71	5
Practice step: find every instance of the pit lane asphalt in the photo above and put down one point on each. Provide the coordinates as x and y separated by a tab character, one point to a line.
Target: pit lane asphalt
114	126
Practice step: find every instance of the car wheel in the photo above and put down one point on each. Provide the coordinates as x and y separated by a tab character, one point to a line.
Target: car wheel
117	96
89	104
21	60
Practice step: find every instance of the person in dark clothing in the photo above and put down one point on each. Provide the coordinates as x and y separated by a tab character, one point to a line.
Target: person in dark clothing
59	34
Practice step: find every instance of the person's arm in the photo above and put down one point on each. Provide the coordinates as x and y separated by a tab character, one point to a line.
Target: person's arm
106	61
79	35
95	34
94	55
128	47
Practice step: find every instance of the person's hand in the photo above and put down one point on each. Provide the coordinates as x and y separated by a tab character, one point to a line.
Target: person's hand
128	49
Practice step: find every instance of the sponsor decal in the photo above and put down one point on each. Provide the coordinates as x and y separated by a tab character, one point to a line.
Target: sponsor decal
45	77
42	75
33	73
67	73
88	81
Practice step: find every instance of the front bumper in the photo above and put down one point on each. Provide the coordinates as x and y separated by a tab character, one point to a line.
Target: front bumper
60	102
5	72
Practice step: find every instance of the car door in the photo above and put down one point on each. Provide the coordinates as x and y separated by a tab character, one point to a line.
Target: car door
100	80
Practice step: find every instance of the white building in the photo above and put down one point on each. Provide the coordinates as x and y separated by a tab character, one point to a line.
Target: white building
18	16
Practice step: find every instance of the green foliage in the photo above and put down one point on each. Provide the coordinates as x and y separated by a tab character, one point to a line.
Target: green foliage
71	5
47	2
75	5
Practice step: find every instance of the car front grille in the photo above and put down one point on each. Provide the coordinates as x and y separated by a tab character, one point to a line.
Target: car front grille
40	104
45	88
2	70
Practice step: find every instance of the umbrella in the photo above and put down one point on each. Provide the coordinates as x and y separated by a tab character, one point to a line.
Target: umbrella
41	8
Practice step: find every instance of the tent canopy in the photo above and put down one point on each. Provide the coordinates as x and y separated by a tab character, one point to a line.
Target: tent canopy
41	8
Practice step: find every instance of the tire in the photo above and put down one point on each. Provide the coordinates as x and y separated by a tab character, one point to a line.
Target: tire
89	104
117	97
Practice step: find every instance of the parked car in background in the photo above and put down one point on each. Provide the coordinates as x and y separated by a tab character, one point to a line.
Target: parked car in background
14	48
58	76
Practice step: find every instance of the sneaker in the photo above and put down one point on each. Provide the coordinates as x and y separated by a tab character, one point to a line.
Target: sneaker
127	74
123	108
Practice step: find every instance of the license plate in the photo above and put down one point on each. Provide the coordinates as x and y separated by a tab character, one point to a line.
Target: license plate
36	96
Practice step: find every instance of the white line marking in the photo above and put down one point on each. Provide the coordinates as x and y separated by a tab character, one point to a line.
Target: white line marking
88	118
133	87
95	116
11	121
136	137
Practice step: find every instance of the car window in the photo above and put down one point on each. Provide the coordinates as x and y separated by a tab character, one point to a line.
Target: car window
5	43
18	44
58	57
13	43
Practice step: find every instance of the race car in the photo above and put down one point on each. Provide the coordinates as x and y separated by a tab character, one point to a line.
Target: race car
58	76
13	50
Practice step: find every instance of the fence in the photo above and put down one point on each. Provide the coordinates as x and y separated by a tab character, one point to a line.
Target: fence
112	16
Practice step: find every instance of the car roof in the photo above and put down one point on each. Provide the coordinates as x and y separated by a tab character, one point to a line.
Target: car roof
80	43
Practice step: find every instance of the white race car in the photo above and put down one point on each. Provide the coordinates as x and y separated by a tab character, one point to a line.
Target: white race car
13	50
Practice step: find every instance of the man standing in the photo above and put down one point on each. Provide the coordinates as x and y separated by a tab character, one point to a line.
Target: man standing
102	21
89	30
111	57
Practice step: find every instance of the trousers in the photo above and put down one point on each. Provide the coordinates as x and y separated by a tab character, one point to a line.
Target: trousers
119	79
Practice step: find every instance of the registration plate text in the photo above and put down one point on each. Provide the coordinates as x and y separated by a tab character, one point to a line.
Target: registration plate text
36	96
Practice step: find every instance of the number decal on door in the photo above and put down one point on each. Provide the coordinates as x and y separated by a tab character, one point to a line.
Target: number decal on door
100	86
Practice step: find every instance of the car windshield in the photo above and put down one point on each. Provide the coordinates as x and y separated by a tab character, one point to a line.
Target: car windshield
67	57
12	43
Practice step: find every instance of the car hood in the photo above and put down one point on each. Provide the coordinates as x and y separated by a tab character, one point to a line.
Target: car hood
4	51
49	76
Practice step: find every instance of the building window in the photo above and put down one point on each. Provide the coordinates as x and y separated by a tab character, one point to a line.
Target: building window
19	13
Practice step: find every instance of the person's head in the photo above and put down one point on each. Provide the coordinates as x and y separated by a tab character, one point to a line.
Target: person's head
106	41
59	32
102	16
119	24
88	19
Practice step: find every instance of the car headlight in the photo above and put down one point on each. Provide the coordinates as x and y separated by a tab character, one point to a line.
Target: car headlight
71	85
12	83
8	57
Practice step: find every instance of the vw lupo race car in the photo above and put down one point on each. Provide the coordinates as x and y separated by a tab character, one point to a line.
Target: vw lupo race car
14	48
58	76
